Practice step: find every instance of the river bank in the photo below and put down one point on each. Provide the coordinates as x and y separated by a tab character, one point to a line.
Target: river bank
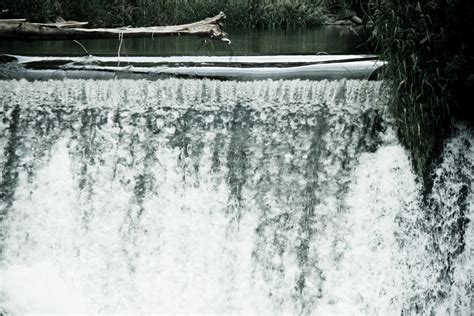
306	41
240	13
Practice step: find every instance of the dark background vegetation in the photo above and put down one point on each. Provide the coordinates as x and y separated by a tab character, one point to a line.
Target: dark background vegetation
428	45
240	13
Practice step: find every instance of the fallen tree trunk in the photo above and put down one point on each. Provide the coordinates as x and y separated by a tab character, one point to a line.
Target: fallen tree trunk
20	30
12	20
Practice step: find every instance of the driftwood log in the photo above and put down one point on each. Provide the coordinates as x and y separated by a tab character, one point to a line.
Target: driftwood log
70	30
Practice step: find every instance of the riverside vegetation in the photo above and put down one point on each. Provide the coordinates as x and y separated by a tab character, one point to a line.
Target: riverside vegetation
430	72
427	43
240	13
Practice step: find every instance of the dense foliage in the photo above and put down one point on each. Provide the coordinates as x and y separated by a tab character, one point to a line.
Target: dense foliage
429	46
240	13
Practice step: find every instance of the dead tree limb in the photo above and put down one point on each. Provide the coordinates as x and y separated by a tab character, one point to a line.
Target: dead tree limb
69	30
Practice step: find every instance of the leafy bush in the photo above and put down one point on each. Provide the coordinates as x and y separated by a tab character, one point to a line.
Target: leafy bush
428	45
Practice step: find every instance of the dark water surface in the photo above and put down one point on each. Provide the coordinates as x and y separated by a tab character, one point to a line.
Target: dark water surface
332	40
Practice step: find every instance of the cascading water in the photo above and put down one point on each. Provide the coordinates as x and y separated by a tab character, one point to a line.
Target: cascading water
225	197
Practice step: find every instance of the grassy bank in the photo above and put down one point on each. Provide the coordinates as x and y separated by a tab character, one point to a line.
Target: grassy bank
241	13
430	73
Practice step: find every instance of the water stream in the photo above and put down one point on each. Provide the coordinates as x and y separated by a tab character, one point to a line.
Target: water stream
264	197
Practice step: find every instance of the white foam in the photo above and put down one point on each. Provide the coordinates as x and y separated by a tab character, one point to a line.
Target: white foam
199	196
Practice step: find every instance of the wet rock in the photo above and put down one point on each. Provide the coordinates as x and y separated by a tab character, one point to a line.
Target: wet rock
343	23
356	20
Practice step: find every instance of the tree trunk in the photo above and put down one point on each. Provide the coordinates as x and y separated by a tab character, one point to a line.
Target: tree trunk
69	30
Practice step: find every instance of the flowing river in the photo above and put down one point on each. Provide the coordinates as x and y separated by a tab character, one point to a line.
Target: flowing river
265	197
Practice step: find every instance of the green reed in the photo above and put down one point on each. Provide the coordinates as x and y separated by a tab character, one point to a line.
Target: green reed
428	46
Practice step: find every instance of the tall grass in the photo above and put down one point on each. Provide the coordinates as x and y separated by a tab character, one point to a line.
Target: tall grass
428	45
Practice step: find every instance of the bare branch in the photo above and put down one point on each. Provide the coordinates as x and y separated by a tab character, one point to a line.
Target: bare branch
68	30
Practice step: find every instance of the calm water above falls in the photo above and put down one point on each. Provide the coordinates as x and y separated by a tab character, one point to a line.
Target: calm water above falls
228	197
256	42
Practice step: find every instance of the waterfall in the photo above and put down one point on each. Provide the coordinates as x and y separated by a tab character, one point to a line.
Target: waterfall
208	196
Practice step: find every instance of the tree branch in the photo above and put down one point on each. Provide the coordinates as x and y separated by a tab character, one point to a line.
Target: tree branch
68	30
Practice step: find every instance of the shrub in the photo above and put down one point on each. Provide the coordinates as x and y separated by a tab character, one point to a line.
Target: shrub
428	46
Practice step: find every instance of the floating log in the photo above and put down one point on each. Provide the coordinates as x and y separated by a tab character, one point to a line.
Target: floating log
70	30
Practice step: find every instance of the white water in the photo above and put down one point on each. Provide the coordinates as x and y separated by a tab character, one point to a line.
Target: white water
223	197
